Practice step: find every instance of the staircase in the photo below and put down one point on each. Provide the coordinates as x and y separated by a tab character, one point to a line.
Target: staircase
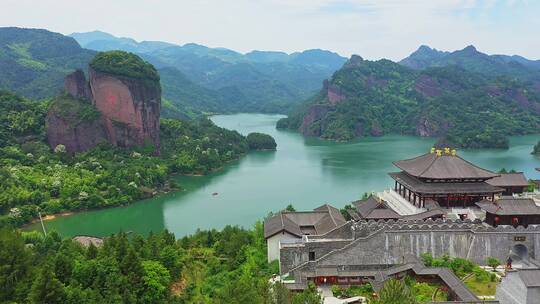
398	203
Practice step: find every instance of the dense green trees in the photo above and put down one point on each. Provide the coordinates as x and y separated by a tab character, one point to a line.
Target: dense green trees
395	292
260	141
155	269
463	108
33	177
122	63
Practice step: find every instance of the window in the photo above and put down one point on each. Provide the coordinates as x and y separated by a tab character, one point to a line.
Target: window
312	256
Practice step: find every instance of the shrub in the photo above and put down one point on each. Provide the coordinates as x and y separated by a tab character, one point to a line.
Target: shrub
260	141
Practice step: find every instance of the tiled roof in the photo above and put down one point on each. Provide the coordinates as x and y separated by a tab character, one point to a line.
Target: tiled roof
509	179
510	206
419	186
432	166
320	221
530	277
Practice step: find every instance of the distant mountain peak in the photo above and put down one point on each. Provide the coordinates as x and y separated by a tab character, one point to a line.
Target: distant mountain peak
354	61
470	49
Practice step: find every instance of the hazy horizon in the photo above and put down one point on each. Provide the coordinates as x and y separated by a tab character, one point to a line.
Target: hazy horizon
372	29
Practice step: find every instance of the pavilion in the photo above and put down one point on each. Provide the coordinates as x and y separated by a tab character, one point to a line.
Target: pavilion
443	178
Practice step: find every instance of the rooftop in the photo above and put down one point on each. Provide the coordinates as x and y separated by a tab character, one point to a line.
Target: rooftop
420	186
443	166
317	222
517	179
510	206
530	277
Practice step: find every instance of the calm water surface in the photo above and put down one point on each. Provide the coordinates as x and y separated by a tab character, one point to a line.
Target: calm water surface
305	172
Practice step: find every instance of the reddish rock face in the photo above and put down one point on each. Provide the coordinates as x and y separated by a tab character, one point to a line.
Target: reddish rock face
314	114
334	93
427	128
130	109
427	86
76	138
76	85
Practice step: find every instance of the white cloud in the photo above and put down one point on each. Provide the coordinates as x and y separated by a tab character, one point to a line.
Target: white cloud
370	28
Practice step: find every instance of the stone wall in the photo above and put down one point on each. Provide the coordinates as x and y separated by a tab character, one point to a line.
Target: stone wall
380	243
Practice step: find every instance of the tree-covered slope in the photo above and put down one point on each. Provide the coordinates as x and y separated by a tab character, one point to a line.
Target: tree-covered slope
463	108
259	81
34	62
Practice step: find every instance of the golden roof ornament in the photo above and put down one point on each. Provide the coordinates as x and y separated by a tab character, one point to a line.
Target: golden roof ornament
454	152
439	152
447	151
432	150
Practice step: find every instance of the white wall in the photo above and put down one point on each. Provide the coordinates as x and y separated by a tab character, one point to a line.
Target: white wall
274	244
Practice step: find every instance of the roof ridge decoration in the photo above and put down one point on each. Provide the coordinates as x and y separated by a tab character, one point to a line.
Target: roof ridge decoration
439	165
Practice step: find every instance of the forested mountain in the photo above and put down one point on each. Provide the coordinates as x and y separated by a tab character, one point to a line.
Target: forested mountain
472	60
259	81
462	107
34	62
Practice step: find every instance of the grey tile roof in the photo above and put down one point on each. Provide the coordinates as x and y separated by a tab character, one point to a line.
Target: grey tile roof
278	223
450	279
510	180
374	208
530	277
442	167
382	214
419	186
510	206
319	221
424	215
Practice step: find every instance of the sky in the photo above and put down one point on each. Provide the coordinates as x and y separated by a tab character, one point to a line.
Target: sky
373	29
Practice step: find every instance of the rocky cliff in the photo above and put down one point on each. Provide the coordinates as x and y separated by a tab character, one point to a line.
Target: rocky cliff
74	123
126	93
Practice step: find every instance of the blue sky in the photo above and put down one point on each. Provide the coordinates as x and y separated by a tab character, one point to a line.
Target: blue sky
372	29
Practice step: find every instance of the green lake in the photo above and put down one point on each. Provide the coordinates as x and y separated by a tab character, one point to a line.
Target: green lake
304	172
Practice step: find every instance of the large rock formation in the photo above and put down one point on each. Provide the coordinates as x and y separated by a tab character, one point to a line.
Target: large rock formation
124	90
75	124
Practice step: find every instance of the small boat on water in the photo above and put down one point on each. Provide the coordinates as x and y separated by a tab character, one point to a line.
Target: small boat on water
215	193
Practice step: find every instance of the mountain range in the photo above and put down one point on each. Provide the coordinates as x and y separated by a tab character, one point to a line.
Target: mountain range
259	81
472	60
195	79
466	98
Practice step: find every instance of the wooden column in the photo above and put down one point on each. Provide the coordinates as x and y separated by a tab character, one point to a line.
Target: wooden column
395	185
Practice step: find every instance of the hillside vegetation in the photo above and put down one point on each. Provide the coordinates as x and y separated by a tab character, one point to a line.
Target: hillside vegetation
34	62
461	107
122	63
33	177
259	81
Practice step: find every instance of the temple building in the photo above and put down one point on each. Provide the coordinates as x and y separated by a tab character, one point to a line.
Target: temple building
511	211
291	226
443	178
